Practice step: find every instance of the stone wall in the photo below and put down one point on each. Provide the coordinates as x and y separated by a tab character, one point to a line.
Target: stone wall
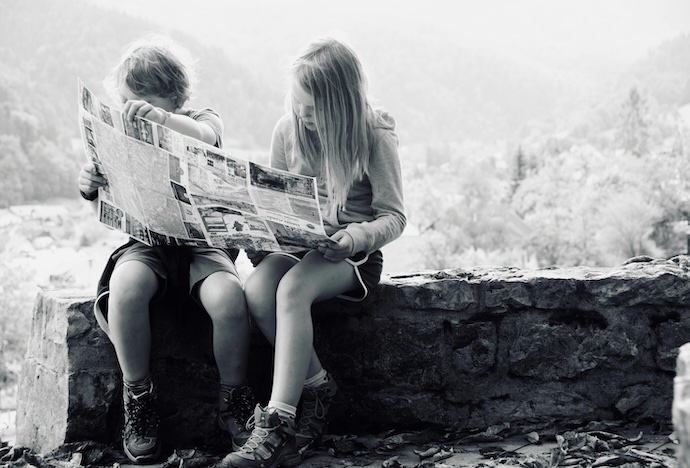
460	349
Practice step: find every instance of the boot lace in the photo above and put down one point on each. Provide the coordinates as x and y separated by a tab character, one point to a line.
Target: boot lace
142	417
259	435
314	410
240	402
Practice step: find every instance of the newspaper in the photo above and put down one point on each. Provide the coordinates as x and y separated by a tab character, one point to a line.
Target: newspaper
165	188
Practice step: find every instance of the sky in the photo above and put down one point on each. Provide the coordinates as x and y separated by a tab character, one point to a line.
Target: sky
548	31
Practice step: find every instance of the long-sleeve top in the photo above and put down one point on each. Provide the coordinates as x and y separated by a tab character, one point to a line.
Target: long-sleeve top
373	214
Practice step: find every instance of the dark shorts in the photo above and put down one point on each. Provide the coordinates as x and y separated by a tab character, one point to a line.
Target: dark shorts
204	261
367	268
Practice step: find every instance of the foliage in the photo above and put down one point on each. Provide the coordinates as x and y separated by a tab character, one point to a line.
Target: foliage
593	195
602	178
24	268
46	45
634	131
17	294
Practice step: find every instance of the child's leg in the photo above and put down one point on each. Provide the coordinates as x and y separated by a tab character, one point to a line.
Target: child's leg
220	293
314	279
260	291
222	297
132	286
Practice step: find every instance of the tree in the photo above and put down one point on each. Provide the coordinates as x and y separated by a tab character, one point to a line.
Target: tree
460	209
634	131
520	170
12	168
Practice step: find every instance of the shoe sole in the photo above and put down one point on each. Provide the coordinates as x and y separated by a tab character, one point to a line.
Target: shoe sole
287	462
143	458
227	435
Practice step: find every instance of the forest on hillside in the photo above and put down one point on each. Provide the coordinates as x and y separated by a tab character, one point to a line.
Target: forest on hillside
523	166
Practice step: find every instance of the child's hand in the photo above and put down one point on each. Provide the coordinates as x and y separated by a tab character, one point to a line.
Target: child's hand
338	247
90	179
134	108
255	256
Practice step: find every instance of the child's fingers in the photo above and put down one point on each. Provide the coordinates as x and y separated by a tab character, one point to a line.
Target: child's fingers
89	167
144	109
153	114
91	182
125	108
132	109
91	177
334	254
135	109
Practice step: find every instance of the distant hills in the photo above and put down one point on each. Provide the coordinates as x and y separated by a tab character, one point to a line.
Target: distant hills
438	92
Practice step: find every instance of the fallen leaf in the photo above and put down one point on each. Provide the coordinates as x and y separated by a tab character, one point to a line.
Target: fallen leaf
430	452
608	461
391	462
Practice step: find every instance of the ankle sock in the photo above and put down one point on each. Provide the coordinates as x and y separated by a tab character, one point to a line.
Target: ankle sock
283	409
320	378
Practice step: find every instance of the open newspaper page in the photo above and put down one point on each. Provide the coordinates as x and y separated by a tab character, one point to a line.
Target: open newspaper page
165	188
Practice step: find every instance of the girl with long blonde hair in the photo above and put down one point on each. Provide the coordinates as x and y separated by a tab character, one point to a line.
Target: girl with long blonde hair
330	132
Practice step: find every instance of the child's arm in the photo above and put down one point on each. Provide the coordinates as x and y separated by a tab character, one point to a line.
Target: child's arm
387	204
178	122
89	181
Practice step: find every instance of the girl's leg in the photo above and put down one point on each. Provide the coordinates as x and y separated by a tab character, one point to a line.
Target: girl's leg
132	286
312	280
222	297
281	294
260	291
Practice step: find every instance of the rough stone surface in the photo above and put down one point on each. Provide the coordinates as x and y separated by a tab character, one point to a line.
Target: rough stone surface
461	349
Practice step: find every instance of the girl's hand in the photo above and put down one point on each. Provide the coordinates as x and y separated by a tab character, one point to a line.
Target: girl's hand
255	256
144	109
338	247
90	179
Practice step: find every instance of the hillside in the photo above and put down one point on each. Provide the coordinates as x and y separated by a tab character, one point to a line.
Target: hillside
45	45
439	91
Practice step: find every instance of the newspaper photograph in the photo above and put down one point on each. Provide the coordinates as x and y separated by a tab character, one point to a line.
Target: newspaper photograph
165	188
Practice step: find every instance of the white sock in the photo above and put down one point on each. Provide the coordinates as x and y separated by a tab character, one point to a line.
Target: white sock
283	409
320	378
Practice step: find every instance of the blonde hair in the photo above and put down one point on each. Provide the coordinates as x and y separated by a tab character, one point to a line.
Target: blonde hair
332	74
154	66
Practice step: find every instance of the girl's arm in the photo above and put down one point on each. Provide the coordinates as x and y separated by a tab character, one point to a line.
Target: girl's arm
385	177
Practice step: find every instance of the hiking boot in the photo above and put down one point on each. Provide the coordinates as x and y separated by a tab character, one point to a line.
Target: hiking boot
313	412
271	444
235	408
140	432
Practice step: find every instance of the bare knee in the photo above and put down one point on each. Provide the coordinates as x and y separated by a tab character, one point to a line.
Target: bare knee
222	297
132	286
260	296
292	297
260	287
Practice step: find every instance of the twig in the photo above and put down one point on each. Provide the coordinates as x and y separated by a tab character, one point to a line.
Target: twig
649	457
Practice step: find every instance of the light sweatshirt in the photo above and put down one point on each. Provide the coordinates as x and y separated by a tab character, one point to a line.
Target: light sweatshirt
374	213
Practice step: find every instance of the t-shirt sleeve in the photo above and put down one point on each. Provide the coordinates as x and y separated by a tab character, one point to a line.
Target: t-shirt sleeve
211	118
